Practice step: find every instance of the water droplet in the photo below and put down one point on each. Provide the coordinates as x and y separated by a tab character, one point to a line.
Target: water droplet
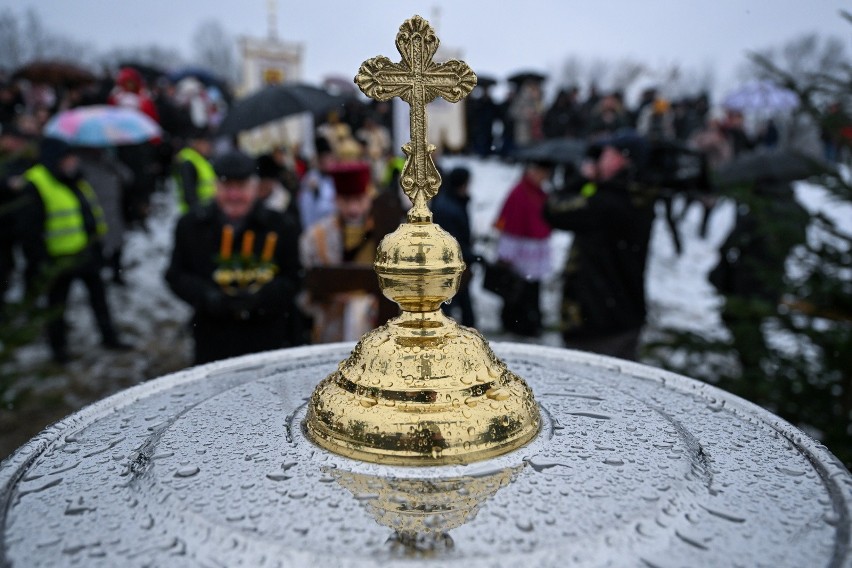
497	393
368	402
187	471
278	476
791	472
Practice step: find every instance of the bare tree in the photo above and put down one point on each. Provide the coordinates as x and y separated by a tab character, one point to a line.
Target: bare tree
572	70
23	38
153	55
215	49
814	66
624	73
596	72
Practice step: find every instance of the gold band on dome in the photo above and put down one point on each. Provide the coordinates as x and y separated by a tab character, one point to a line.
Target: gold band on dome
421	390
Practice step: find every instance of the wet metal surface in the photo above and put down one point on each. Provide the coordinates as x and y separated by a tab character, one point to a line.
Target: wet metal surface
633	467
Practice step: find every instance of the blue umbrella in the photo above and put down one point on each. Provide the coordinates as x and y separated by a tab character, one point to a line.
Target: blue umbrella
100	126
763	96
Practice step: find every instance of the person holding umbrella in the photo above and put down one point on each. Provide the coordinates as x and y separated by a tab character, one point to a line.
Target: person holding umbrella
61	226
611	215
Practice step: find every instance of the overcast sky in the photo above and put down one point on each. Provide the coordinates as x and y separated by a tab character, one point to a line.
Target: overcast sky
495	37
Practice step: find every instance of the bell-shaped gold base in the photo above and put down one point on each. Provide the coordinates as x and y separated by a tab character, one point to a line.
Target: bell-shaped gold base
422	390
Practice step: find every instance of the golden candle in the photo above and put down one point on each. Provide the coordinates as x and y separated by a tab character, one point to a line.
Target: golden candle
227	245
248	243
269	247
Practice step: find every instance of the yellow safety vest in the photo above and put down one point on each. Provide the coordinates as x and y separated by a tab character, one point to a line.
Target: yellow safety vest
64	228
206	186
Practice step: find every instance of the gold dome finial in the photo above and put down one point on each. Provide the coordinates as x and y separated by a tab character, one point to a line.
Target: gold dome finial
421	390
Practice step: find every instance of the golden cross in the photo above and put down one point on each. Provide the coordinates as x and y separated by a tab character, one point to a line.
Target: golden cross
417	80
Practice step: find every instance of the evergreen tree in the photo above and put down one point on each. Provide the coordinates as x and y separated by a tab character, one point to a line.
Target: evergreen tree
793	356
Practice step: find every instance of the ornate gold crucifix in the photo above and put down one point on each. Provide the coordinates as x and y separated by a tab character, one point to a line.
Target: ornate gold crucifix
418	81
421	390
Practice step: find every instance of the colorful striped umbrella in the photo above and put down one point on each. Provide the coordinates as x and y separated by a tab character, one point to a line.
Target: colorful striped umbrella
101	126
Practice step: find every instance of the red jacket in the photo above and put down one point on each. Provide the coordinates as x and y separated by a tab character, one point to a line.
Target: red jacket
521	215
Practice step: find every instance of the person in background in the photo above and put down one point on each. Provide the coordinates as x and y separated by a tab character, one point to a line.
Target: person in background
449	210
751	273
108	178
194	175
272	192
61	228
610	215
524	244
527	111
377	145
236	263
346	237
607	117
130	92
656	121
316	191
733	126
18	153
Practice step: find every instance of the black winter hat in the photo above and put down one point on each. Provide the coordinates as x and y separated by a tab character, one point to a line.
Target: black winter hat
322	145
457	178
267	167
52	150
234	165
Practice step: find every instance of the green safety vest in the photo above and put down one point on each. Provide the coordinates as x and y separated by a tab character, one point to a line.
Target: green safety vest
64	228
206	186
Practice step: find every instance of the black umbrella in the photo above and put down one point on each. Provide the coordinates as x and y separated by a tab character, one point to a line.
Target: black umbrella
783	165
204	75
553	150
275	102
55	72
522	77
485	81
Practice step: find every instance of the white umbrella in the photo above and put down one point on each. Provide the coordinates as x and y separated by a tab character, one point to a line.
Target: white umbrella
764	96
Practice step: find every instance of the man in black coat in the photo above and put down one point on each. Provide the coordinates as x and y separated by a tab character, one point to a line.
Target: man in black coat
751	274
237	264
449	210
603	303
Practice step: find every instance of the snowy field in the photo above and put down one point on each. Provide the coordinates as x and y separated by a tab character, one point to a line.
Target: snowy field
153	319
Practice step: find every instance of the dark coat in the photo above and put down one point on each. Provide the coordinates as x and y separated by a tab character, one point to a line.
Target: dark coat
769	224
604	287
449	210
227	325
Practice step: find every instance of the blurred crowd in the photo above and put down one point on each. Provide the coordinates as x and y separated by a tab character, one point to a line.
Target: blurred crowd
276	249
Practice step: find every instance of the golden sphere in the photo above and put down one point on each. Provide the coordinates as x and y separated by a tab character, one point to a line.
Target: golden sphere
419	266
